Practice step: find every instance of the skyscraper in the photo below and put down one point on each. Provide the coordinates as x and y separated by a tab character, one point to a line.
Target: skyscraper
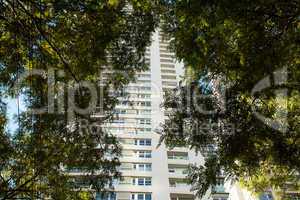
150	172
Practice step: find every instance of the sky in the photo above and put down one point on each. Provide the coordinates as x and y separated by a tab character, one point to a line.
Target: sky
12	111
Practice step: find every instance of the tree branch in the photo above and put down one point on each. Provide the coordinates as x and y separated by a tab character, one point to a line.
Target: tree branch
54	48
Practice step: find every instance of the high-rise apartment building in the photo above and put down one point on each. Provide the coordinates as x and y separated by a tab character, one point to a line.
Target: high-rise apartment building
150	172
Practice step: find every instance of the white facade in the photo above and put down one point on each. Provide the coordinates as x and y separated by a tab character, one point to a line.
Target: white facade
151	172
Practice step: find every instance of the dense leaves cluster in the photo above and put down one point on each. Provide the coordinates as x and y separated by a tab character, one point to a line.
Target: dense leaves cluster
75	41
237	44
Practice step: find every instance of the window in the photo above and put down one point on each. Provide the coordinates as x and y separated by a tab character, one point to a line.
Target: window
148	181
141	196
164	50
145	88
143	142
168	71
167	83
166	60
166	56
144	154
148	167
145	129
119	121
147	154
126	141
168	77
105	196
145	103
145	121
170	66
141	154
141	181
148	197
269	196
144	75
145	111
177	155
148	142
220	181
143	167
120	111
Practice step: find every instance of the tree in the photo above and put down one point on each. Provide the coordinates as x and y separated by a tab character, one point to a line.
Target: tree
72	43
237	44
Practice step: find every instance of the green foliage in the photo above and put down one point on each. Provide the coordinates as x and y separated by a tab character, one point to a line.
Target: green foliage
281	179
237	43
84	39
198	176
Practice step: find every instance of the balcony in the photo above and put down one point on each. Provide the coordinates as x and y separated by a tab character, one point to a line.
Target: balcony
218	189
128	169
218	192
182	197
177	171
178	158
179	186
178	155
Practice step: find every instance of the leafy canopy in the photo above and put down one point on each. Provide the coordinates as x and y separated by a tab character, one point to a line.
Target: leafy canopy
76	41
231	46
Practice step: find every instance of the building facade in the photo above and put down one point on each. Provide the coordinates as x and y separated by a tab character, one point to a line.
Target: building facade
150	172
